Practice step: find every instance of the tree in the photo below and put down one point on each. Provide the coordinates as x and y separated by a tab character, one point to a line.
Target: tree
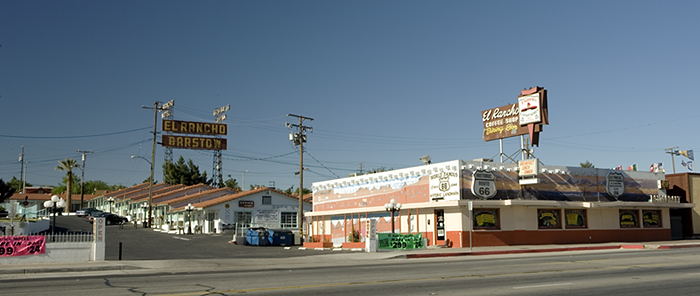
587	164
184	173
68	165
14	183
232	183
5	191
292	191
63	187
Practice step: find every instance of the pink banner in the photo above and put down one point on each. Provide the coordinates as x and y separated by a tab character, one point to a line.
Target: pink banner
22	245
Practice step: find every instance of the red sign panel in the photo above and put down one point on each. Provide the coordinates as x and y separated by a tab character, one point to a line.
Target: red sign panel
22	245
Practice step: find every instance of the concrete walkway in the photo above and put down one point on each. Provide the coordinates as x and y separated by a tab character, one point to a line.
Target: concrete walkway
316	258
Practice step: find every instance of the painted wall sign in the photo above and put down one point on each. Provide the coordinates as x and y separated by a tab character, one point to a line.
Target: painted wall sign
11	246
483	184
444	186
615	185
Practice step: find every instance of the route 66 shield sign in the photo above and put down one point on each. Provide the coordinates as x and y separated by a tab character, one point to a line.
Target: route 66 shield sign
615	185
483	184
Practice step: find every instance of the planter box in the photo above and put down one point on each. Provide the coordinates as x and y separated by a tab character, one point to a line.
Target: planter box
358	245
318	245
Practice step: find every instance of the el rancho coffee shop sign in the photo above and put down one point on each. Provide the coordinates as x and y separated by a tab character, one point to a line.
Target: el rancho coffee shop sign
513	119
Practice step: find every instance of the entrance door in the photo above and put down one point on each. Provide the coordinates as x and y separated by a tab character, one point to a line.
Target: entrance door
440	234
211	219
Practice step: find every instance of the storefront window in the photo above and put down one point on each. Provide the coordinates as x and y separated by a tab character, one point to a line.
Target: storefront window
486	219
629	218
651	218
548	218
575	218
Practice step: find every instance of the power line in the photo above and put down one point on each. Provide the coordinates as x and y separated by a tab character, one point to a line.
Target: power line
74	137
325	167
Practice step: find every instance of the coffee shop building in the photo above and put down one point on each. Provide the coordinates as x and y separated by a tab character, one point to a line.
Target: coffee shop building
482	203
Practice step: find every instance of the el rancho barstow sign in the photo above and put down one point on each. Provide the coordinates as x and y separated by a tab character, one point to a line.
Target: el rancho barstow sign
194	128
527	116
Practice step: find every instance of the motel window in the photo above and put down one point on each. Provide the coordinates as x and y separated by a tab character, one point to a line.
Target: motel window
486	219
651	218
629	218
267	200
288	220
575	218
548	219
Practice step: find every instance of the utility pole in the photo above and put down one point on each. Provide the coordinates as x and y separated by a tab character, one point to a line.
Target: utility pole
82	177
21	170
157	106
299	138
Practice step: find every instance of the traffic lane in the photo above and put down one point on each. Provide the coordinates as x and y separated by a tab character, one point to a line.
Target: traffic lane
634	273
147	244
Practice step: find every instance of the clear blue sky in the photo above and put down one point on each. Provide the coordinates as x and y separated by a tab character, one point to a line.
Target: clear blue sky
385	81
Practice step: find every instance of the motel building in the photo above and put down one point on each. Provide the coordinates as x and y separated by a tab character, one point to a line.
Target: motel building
200	208
481	203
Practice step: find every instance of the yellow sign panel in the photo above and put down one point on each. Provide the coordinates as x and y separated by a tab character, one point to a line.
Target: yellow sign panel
197	128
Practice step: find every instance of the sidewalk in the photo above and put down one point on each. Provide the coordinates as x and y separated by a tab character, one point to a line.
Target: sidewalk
315	258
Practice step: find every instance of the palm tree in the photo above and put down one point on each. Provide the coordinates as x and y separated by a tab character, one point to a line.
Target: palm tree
67	165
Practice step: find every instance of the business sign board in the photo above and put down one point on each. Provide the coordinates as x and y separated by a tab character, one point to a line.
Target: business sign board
513	119
194	128
187	142
530	111
528	167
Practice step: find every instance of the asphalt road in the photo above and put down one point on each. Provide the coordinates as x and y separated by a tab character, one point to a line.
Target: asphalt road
612	272
146	244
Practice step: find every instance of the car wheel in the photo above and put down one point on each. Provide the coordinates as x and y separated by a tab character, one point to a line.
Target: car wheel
109	222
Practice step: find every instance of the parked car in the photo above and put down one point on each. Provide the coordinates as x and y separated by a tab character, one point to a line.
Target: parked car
109	218
85	212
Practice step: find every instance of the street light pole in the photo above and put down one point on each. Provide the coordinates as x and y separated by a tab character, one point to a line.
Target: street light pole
189	208
392	207
150	185
110	200
54	203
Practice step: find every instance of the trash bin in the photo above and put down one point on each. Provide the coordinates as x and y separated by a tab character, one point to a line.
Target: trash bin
280	237
257	237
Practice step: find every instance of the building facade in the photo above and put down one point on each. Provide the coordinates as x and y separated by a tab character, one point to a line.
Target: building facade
474	203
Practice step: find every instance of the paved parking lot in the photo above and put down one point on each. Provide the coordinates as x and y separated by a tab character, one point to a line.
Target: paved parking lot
146	244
